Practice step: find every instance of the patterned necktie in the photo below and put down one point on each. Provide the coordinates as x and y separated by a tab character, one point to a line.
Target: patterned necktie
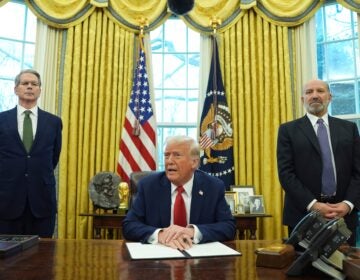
328	177
27	131
179	208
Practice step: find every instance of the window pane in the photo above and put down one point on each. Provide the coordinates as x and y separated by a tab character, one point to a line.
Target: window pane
29	55
340	60
8	99
338	23
176	81
10	58
338	57
157	64
174	70
194	41
30	34
159	105
17	48
175	36
174	106
192	106
193	70
12	15
343	101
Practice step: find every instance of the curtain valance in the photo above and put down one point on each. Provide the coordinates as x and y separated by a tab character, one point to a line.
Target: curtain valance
353	5
151	13
130	14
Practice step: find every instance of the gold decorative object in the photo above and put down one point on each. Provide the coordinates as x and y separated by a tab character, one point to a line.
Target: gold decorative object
143	22
215	22
124	197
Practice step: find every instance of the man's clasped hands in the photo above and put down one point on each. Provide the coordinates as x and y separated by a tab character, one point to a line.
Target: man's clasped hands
177	237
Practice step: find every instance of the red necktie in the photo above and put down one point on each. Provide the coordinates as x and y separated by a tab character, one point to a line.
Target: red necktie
179	208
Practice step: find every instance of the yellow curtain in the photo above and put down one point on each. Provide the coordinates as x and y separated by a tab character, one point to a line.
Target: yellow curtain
94	87
256	61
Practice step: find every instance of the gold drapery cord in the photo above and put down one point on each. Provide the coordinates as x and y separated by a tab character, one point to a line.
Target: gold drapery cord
94	88
256	57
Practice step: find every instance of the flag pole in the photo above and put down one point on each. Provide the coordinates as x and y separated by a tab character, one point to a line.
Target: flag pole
215	22
136	127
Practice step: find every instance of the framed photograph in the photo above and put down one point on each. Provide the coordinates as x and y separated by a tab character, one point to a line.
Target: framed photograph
243	194
256	204
231	199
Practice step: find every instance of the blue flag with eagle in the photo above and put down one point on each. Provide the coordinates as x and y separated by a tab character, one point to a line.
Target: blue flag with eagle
216	133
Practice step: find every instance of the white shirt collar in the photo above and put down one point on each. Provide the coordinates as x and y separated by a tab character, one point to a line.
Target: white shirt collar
313	119
21	110
187	186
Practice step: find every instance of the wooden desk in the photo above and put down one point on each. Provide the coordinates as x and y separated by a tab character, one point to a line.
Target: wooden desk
110	225
109	259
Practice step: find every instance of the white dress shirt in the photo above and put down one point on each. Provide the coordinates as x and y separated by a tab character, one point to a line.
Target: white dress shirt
21	116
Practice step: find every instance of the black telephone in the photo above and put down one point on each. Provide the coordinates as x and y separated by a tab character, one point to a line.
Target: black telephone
306	229
321	250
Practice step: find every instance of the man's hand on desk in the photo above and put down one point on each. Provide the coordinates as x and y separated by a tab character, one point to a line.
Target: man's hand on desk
177	237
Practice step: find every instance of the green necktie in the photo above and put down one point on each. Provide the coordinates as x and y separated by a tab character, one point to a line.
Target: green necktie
27	131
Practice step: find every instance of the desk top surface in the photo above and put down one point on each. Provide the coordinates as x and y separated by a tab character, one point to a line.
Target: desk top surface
109	259
108	214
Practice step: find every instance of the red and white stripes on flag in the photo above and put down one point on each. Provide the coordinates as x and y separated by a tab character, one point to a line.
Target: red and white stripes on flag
138	138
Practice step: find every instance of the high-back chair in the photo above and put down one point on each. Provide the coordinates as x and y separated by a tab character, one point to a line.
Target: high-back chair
134	179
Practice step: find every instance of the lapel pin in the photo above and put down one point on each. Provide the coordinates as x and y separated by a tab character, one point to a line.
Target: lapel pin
201	192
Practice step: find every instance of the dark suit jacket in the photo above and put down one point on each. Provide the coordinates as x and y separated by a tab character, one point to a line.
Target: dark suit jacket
152	208
300	166
24	175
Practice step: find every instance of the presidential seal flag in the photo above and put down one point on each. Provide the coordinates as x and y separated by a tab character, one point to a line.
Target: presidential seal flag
138	138
216	133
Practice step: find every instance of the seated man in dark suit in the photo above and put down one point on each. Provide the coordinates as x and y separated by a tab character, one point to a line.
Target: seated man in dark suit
156	217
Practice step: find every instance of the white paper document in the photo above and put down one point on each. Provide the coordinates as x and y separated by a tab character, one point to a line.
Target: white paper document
158	251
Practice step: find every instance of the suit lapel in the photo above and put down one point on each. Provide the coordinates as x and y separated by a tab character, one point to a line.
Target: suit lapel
13	126
165	197
308	130
333	133
197	198
41	126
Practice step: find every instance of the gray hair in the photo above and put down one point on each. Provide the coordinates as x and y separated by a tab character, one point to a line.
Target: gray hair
182	139
30	71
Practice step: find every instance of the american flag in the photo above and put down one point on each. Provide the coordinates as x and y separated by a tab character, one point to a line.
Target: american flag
138	138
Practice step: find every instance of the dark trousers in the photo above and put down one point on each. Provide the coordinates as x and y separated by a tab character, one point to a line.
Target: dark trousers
28	224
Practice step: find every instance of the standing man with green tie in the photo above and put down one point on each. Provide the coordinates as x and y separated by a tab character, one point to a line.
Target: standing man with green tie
30	144
319	162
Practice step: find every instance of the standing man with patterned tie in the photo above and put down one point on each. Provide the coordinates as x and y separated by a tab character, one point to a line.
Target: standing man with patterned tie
30	144
182	205
319	162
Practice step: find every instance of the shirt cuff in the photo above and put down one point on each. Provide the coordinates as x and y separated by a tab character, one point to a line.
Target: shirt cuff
197	234
154	238
350	205
311	205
